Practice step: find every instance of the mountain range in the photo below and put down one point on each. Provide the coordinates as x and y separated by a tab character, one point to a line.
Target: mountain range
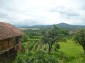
61	25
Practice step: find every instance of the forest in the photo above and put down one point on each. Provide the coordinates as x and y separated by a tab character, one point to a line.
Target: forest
52	45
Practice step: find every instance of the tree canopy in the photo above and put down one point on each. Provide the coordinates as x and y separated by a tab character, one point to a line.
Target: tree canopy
80	38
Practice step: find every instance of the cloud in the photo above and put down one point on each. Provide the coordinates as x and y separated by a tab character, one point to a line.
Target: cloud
66	12
33	12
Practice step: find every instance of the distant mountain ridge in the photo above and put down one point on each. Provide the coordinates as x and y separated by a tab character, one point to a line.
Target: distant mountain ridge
68	26
61	25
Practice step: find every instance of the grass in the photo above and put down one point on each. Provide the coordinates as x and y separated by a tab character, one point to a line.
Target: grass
72	51
70	48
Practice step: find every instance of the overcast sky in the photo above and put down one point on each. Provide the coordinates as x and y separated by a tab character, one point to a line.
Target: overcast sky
36	12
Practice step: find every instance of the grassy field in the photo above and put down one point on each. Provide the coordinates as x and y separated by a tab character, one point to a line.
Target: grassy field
72	51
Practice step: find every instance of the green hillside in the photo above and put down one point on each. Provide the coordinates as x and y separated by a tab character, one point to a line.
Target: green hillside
65	50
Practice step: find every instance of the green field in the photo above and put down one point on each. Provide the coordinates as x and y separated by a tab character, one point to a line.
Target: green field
73	52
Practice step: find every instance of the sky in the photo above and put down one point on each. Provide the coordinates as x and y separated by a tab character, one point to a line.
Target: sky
42	12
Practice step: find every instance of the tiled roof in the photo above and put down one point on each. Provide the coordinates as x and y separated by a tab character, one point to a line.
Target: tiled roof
7	31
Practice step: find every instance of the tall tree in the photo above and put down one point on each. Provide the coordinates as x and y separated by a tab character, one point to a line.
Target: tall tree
80	38
51	36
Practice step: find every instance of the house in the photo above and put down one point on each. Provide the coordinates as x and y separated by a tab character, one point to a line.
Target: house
10	38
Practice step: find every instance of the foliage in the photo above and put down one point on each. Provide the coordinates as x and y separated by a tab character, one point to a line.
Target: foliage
39	42
69	52
25	38
54	35
80	38
36	57
50	37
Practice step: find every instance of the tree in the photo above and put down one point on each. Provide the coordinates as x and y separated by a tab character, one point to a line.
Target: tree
25	38
80	38
51	36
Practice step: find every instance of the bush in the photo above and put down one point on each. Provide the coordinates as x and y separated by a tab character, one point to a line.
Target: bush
25	38
36	57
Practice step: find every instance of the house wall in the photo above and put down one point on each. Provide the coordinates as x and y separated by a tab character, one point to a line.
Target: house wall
20	44
7	44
